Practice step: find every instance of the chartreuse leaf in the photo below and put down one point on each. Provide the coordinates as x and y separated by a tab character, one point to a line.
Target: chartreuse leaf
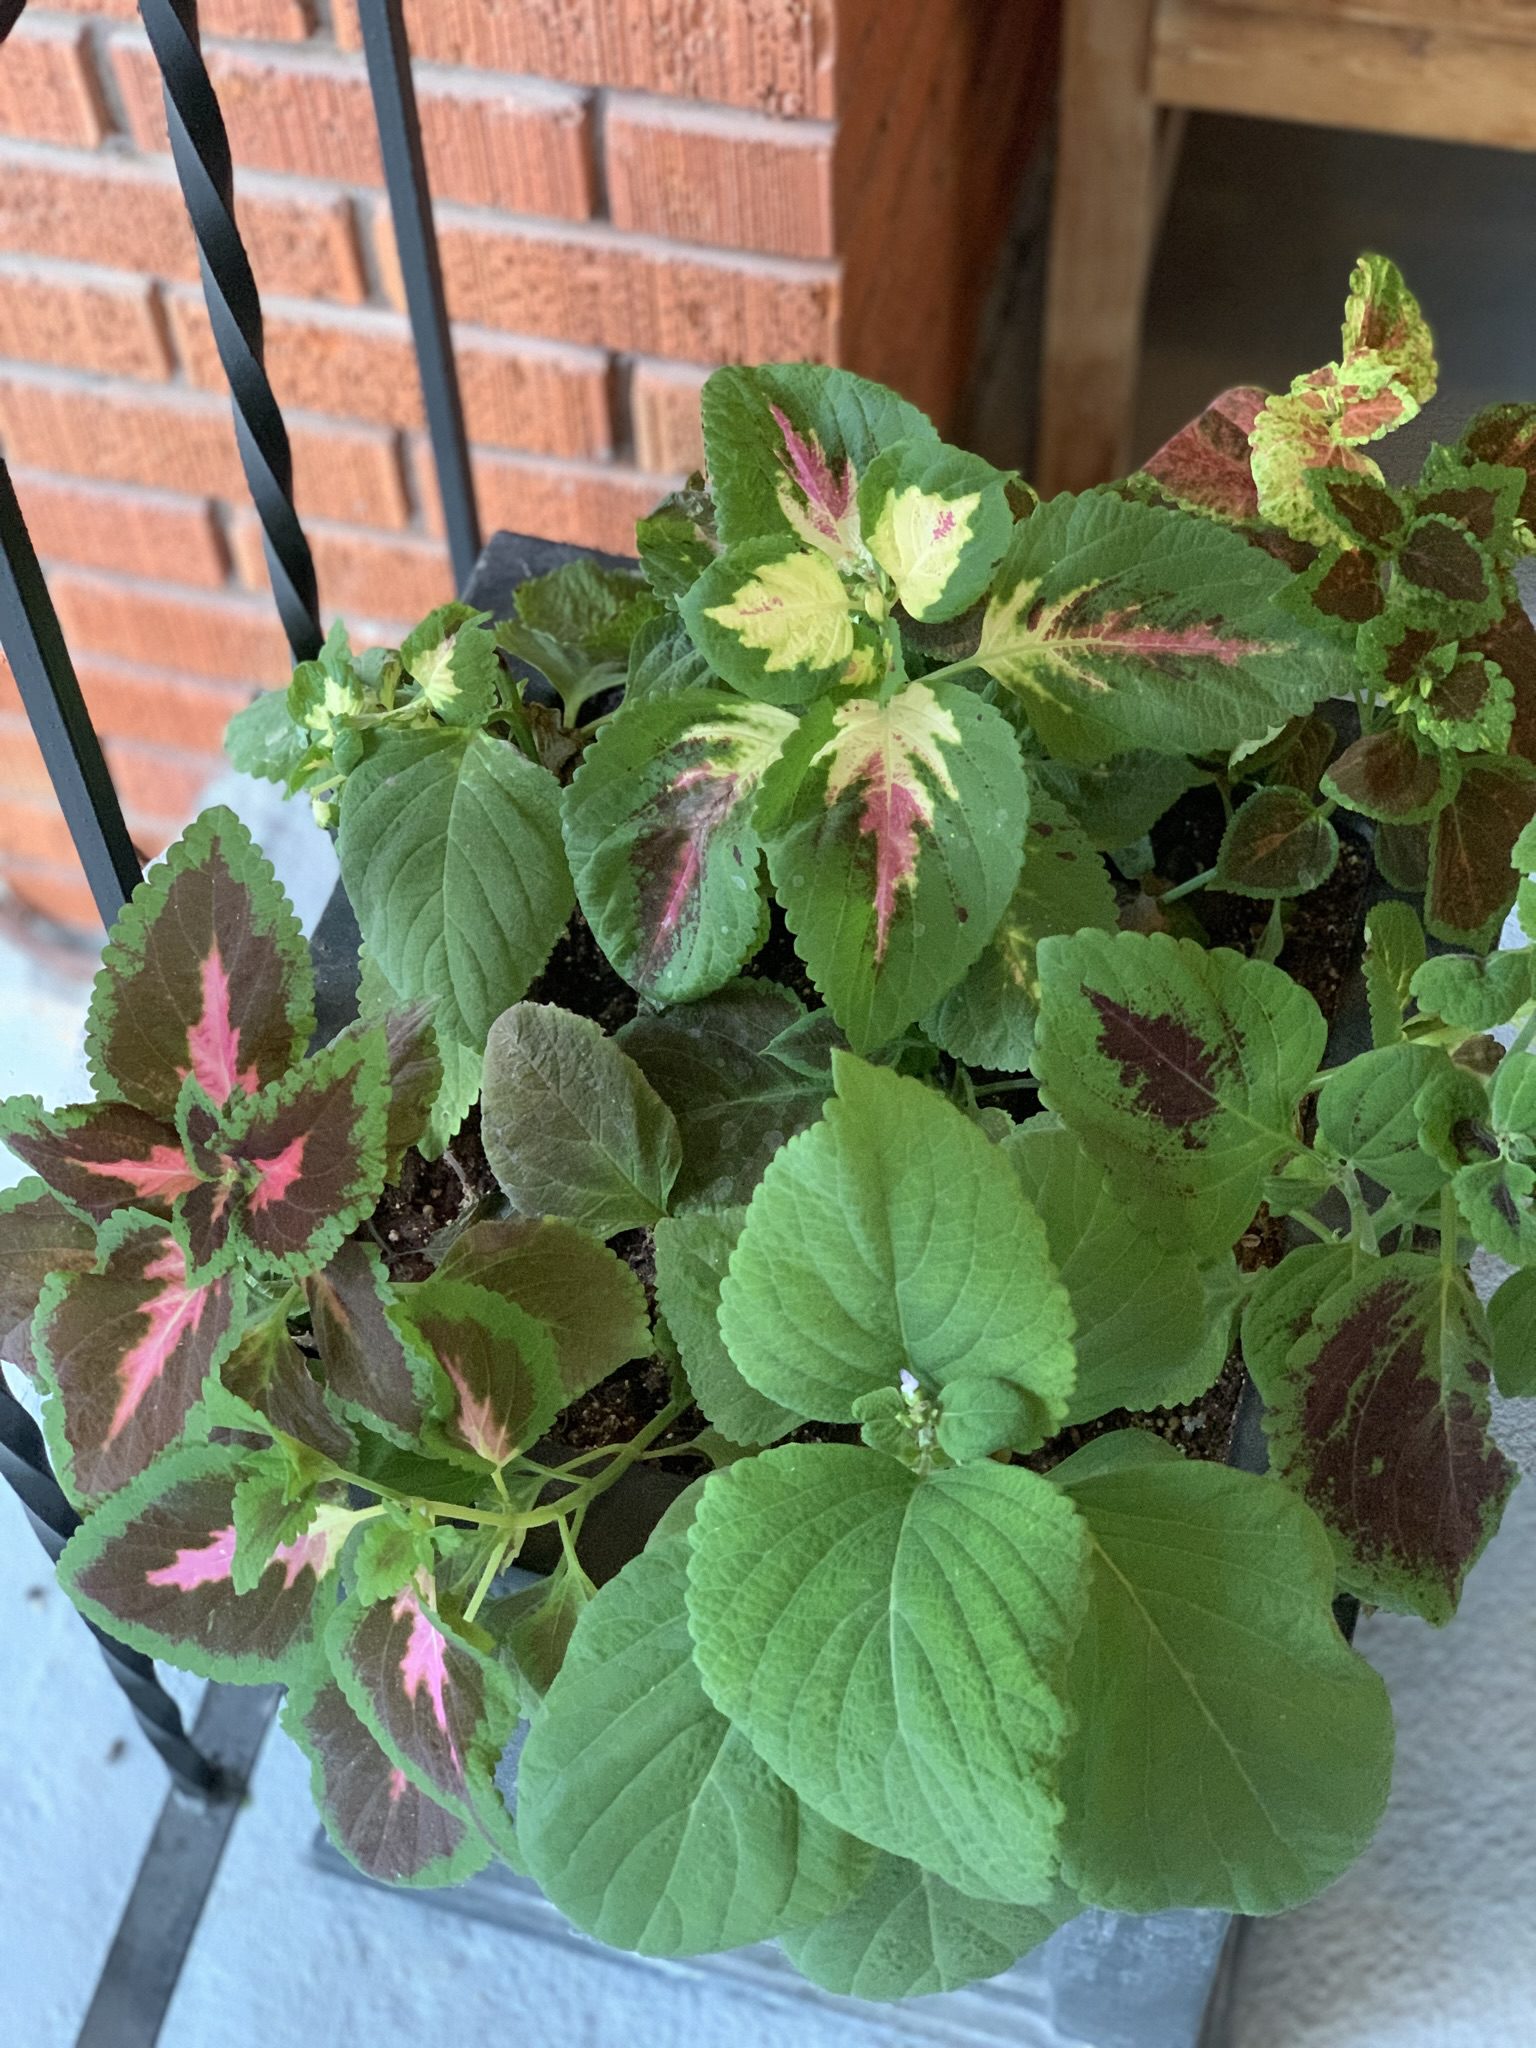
894	829
692	1253
125	1351
585	1296
499	1377
988	1019
735	1101
571	1126
937	521
1179	1069
644	1813
1278	843
1382	317
893	1236
451	853
1471	881
1394	953
1322	423
776	620
388	1827
1230	1749
388	1555
364	1365
1122	625
99	1157
1512	1324
787	446
205	973
1367	1117
1376	1412
1474	992
907	1934
38	1236
1137	1304
440	1709
658	828
452	656
154	1567
914	1703
274	1505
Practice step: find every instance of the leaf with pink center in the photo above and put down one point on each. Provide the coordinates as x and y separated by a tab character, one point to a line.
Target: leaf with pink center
206	973
100	1156
1119	625
389	1828
658	828
1206	467
787	445
39	1236
363	1363
895	832
154	1566
500	1386
307	1154
125	1351
441	1709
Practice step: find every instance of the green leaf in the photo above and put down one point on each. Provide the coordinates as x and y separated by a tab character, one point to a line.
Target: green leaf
1512	1324
988	1019
776	621
892	1237
645	1815
585	1296
692	1252
734	1101
658	830
908	1934
664	661
499	1384
1277	844
788	444
587	606
1117	801
894	1647
937	521
452	656
1389	775
571	1126
1394	953
272	1506
263	739
1475	993
1231	1749
451	853
1137	1305
389	1555
1367	1116
1471	882
533	1627
895	832
1179	1069
1376	1413
677	542
1121	625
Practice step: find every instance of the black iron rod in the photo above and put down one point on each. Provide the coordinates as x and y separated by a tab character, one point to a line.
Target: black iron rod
200	147
410	201
45	675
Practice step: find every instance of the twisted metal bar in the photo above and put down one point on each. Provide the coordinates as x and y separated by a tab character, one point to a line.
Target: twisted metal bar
200	147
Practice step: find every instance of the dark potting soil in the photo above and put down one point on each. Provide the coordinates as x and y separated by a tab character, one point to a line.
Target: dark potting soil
429	1196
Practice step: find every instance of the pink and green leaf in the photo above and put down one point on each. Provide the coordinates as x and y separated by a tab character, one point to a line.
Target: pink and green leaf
39	1236
125	1351
937	522
100	1157
388	1827
1120	625
154	1566
1206	466
363	1364
206	973
1376	1409
895	834
497	1372
415	1073
658	829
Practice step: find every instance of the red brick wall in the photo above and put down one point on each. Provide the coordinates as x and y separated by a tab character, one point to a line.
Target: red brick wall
629	192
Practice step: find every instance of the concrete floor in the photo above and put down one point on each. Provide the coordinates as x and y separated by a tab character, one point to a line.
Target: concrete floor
1426	1944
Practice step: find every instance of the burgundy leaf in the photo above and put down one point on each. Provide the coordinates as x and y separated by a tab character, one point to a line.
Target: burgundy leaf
100	1156
268	1372
1205	466
364	1364
1471	882
38	1236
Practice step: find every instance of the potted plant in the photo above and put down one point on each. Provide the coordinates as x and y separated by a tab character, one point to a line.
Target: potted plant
793	1181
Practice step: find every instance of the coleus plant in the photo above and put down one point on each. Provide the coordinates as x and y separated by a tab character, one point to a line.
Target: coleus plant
903	1674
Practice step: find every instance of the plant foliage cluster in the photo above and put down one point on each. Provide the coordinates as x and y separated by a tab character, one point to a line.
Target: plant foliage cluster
901	1677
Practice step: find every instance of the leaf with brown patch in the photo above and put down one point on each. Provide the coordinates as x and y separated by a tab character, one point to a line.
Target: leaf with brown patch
1388	775
1471	881
1278	844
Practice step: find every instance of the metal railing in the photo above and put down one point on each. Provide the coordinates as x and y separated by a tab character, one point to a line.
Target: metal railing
33	640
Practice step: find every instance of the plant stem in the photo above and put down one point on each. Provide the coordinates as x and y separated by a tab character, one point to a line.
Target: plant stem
1004	1087
1187	888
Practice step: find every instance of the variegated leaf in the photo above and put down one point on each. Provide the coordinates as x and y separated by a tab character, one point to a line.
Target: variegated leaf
1388	775
778	622
1278	843
270	1378
937	522
451	656
894	830
154	1567
1471	882
1123	625
658	830
364	1365
1382	319
499	1374
100	1156
1205	467
1504	436
1322	422
206	973
39	1236
125	1351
